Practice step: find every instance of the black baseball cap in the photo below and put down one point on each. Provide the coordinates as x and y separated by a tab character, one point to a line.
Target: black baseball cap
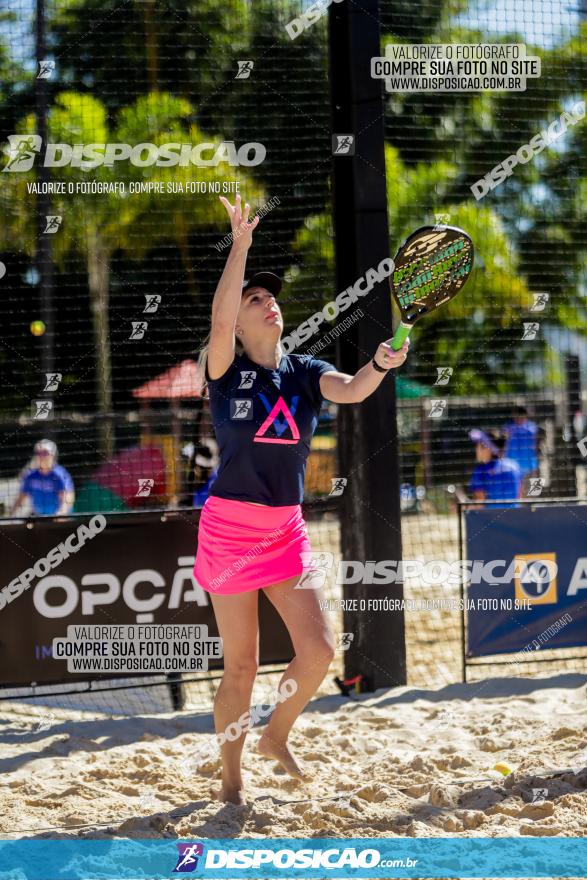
268	280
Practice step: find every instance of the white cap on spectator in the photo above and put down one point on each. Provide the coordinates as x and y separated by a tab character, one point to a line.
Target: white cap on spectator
46	446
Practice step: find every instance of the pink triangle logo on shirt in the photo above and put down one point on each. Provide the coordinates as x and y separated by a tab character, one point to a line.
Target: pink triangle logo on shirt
280	407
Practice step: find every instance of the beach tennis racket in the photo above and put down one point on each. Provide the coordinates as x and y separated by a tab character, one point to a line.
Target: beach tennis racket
431	267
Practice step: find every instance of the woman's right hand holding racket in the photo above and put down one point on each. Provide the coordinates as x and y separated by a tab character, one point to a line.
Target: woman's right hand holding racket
242	228
387	358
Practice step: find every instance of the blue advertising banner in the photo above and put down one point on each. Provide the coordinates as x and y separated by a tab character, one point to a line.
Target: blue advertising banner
219	858
527	579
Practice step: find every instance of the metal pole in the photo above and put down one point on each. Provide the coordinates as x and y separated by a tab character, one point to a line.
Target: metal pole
367	432
44	262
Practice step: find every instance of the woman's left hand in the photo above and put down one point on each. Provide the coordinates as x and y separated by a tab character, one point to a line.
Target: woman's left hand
387	358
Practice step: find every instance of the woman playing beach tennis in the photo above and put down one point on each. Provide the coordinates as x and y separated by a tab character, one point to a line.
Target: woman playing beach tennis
264	407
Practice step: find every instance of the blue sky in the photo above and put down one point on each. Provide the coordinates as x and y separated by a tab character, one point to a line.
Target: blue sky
540	22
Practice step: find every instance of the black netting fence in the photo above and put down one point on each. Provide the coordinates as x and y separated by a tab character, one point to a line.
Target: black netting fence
515	337
109	267
514	340
114	292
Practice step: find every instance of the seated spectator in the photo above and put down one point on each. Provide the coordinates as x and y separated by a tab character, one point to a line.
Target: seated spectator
48	486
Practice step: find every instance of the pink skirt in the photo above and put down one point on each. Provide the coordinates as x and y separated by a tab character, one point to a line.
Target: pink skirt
243	546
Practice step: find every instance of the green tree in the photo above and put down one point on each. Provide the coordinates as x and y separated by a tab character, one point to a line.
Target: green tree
541	206
192	48
97	225
490	305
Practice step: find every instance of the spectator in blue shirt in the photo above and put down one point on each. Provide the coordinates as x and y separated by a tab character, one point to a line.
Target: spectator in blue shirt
522	442
495	478
48	486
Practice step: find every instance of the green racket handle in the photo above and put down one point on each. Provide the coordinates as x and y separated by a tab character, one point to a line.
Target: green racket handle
400	336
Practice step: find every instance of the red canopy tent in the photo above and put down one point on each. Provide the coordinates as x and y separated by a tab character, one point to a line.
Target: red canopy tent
183	381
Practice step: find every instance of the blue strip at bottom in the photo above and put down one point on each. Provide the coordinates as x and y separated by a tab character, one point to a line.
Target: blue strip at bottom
289	858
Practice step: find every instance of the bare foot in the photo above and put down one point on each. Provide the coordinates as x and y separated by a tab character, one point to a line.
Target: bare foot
231	794
280	752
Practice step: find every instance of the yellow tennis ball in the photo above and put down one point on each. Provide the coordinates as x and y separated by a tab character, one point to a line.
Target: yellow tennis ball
503	768
37	328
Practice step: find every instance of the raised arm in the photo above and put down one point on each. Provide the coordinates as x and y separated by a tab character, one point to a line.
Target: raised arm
227	298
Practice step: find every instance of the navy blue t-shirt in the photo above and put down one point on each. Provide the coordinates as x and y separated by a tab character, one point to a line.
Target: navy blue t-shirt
264	421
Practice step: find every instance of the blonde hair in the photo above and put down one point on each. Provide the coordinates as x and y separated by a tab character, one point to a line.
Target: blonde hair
203	358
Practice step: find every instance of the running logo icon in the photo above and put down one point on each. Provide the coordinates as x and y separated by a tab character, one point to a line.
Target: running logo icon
52	381
187	860
247	378
152	302
241	408
46	68
21	151
279	426
43	410
343	144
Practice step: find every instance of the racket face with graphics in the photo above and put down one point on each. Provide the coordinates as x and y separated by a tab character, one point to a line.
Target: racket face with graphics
431	267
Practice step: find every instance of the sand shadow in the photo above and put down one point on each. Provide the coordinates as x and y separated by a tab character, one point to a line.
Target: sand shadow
486	689
114	732
140	826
